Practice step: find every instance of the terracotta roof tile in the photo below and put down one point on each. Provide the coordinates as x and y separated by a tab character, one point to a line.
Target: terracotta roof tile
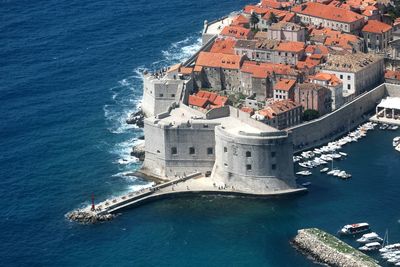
197	101
296	47
218	60
375	26
284	84
236	32
224	46
327	12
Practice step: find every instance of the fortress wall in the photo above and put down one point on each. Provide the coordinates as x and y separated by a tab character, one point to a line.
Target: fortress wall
338	122
267	168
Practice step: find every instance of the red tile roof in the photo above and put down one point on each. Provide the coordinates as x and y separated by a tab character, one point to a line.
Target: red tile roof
263	70
247	110
327	12
224	46
197	101
240	20
296	47
236	32
390	74
375	26
285	85
332	79
218	60
186	70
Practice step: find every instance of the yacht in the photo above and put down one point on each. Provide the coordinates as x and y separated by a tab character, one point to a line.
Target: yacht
324	170
370	237
390	248
393	127
371	246
343	154
394	259
304	173
352	229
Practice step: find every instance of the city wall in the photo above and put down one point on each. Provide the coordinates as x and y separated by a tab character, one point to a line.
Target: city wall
342	120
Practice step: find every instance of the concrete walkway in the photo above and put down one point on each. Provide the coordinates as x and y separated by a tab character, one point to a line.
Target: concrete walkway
385	120
191	184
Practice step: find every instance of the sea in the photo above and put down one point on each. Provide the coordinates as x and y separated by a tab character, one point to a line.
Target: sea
70	76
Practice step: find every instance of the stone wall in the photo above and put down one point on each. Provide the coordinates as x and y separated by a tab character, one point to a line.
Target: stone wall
338	122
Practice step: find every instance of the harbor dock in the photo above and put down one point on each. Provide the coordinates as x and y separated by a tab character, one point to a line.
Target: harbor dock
194	183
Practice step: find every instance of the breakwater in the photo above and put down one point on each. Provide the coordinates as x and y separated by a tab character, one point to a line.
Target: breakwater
327	249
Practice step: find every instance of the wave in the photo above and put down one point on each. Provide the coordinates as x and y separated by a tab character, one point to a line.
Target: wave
126	99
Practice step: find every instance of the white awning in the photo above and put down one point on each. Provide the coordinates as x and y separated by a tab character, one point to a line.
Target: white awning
390	102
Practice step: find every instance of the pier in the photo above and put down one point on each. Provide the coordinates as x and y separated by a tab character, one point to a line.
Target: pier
194	183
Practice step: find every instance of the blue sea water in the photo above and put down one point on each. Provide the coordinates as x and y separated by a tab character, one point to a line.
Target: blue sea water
70	75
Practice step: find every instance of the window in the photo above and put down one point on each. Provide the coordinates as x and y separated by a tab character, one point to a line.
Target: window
172	95
174	151
348	86
205	125
226	165
341	76
161	95
248	167
273	166
225	149
348	77
191	150
210	150
273	154
158	151
248	154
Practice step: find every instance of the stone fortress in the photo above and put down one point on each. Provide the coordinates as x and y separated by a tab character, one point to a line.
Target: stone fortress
232	146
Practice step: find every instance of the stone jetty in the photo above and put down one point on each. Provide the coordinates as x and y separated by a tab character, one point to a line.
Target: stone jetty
190	184
327	249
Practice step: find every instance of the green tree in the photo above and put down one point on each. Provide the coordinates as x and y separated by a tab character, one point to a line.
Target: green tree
254	20
310	114
272	18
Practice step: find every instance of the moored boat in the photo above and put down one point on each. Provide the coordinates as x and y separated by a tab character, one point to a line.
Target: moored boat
324	170
304	173
356	228
370	237
371	246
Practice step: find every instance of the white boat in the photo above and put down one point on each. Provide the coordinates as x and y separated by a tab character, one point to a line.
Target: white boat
306	184
396	141
370	237
356	228
395	259
324	170
371	246
304	173
390	248
393	127
397	148
343	154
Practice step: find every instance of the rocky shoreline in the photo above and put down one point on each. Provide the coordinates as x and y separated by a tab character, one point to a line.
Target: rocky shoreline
136	118
329	250
138	151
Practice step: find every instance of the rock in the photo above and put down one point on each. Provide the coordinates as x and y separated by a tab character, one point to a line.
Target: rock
138	152
136	118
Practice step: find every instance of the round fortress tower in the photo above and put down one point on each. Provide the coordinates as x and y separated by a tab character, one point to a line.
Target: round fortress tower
255	161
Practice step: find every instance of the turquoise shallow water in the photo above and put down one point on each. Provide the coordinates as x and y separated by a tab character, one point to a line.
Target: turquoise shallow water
69	77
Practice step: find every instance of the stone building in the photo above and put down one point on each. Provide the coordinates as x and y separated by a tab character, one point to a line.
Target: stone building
284	89
377	35
218	71
314	96
329	16
162	89
333	83
282	114
224	143
286	31
265	50
358	72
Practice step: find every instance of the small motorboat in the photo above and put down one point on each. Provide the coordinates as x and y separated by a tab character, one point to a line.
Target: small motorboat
396	141
371	246
306	184
397	148
370	237
343	154
324	170
304	173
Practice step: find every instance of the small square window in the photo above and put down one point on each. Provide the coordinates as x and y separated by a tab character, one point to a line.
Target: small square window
161	95
174	151
273	154
348	77
210	150
273	166
225	149
191	150
248	154
248	167
172	95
